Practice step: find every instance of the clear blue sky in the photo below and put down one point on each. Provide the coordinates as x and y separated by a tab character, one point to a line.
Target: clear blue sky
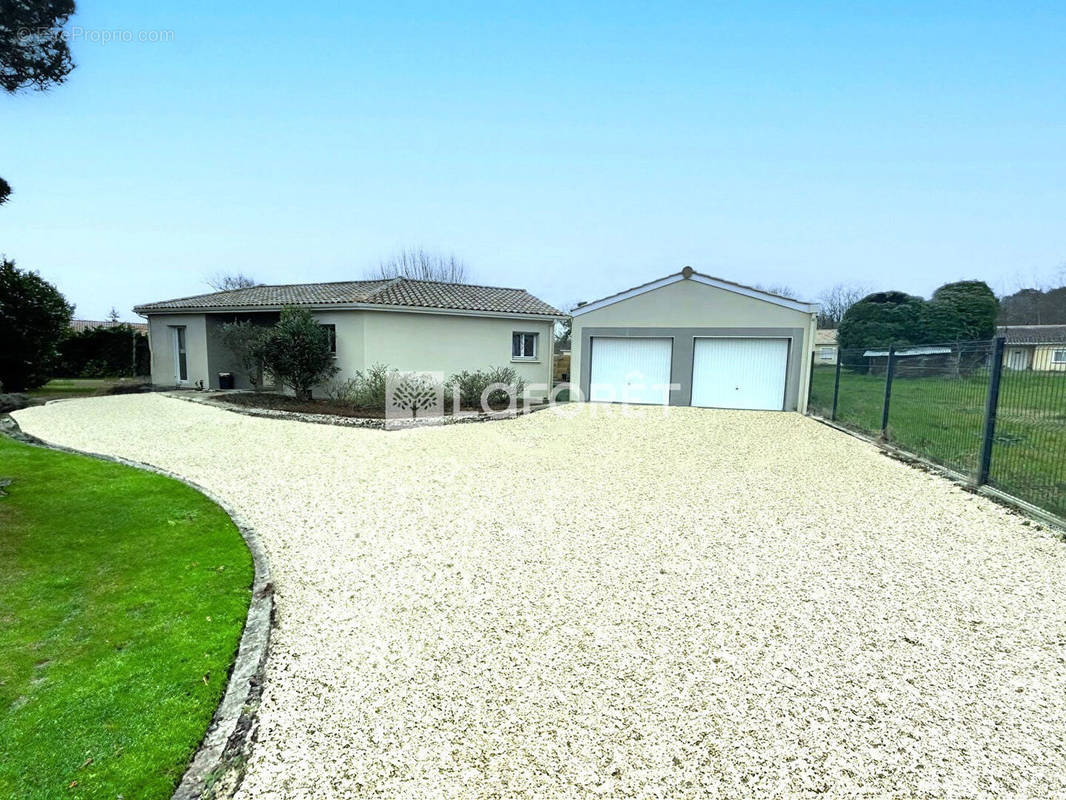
572	149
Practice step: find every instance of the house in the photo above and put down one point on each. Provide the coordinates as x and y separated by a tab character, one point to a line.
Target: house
718	343
402	323
825	346
79	325
1034	347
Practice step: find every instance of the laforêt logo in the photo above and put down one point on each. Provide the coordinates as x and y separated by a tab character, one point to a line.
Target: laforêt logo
413	396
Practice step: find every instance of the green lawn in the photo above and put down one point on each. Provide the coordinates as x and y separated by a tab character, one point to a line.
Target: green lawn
942	419
123	595
73	387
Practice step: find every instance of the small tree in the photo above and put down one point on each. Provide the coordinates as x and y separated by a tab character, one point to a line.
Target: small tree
34	318
247	341
297	352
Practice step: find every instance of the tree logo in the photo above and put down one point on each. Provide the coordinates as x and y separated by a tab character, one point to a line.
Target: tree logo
414	396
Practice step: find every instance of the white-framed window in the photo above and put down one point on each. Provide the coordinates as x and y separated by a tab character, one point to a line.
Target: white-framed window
523	346
1058	357
825	353
331	330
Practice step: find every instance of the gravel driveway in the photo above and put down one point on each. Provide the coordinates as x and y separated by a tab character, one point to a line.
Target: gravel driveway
668	605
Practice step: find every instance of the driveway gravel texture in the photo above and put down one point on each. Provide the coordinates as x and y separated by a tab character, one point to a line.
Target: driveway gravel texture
584	603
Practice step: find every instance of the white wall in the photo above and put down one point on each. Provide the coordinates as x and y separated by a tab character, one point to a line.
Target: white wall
160	339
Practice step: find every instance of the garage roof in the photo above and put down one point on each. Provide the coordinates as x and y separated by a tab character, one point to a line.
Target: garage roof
690	274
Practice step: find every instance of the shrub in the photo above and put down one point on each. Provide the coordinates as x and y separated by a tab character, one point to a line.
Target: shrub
959	311
472	385
366	390
974	304
112	352
296	352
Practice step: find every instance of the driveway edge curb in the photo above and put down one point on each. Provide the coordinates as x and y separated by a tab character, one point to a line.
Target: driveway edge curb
217	768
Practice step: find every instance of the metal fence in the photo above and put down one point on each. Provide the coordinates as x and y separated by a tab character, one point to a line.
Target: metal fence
960	405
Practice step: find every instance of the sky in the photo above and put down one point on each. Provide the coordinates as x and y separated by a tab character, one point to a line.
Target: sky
572	149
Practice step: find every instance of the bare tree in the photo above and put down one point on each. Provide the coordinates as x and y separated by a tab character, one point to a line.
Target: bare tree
421	265
225	281
836	301
780	289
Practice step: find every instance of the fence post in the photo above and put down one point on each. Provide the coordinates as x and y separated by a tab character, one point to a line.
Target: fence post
810	381
836	389
891	368
991	407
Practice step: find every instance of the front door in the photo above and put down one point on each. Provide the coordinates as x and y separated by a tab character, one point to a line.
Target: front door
181	364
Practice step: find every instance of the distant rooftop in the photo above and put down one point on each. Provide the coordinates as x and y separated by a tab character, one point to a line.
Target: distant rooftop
77	325
393	292
910	351
1033	334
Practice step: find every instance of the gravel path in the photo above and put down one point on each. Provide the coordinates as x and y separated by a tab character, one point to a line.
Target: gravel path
581	604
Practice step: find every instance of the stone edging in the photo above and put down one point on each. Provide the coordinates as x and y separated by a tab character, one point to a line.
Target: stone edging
372	423
218	766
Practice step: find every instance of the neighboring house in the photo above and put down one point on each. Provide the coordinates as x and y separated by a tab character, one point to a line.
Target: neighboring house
1034	347
402	323
825	346
723	344
78	325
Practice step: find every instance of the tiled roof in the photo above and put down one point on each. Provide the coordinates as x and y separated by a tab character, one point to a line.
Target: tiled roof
395	292
1033	334
88	324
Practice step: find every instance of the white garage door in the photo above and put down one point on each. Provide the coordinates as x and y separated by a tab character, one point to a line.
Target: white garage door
739	373
630	370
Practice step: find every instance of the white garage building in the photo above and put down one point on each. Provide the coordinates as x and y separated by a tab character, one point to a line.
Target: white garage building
720	344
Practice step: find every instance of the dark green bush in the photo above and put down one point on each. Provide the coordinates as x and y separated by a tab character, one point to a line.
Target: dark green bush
296	351
113	352
974	305
34	319
962	311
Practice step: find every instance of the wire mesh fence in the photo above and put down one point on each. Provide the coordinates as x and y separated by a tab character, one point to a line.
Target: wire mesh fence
974	407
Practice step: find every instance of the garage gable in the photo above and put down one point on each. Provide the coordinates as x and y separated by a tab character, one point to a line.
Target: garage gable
691	297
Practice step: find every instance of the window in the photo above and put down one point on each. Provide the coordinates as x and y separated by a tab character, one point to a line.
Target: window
825	353
1058	357
331	331
523	345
